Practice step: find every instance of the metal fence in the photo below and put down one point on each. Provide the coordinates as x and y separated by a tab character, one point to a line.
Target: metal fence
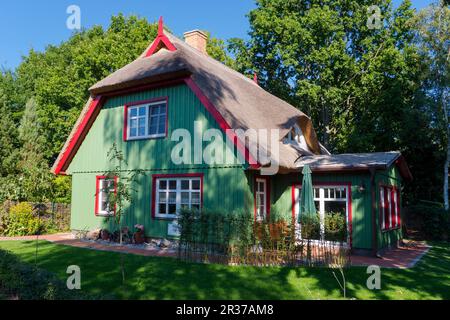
228	240
57	213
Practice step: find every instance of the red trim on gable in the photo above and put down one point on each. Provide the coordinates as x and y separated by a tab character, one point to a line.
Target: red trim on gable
255	78
79	135
267	179
97	185
331	184
168	176
98	101
222	123
92	114
136	103
161	39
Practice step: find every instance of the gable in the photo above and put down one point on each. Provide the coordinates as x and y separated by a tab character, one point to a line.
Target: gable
184	108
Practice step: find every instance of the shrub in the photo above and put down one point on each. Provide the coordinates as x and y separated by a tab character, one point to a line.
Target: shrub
310	226
335	227
433	221
3	220
22	281
22	222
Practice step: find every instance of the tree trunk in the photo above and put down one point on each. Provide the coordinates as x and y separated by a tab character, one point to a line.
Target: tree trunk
326	123
446	122
446	177
447	160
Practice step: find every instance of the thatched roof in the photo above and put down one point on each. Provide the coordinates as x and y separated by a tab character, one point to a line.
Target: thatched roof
239	101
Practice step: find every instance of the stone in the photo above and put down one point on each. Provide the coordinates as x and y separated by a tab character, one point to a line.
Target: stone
165	243
155	242
93	235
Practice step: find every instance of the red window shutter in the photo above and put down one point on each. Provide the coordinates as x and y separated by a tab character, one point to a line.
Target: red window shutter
399	216
393	208
386	208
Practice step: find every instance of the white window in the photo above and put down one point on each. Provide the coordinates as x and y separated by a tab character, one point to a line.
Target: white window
327	199
173	194
296	137
106	187
261	199
147	121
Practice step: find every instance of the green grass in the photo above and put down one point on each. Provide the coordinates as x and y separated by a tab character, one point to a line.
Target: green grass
166	278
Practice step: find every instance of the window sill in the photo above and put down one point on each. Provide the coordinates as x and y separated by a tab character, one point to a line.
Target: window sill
156	136
165	218
390	229
105	215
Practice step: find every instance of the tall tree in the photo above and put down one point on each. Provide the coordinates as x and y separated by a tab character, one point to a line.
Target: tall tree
35	177
329	60
352	66
59	78
434	40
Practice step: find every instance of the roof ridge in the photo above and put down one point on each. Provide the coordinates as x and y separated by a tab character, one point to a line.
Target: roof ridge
211	59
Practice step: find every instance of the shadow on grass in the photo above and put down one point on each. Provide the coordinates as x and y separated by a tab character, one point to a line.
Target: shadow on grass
167	278
429	279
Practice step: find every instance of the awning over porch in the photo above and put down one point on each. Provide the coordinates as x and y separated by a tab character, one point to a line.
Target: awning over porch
355	162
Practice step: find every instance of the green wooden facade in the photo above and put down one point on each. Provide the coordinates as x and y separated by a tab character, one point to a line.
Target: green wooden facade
225	187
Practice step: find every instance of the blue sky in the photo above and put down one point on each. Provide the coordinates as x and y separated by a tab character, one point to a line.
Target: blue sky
28	24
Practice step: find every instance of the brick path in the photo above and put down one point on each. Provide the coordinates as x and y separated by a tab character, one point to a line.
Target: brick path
403	257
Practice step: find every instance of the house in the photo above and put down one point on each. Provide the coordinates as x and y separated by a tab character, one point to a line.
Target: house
175	88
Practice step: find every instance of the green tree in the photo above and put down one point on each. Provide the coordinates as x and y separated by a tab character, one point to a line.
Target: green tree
356	73
324	58
35	177
59	77
433	38
217	49
9	142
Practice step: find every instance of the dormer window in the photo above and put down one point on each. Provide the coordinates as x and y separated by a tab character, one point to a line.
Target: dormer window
145	120
296	137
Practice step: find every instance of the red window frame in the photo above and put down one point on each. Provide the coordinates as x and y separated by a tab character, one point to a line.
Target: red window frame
97	190
390	215
164	99
331	184
267	180
155	178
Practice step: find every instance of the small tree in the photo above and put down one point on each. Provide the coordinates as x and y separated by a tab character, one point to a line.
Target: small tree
125	180
124	190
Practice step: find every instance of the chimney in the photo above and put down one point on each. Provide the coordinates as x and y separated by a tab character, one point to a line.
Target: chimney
196	39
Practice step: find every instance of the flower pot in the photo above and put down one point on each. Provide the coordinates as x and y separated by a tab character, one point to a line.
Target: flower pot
139	237
104	235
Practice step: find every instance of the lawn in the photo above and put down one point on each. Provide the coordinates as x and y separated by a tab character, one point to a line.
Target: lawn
166	278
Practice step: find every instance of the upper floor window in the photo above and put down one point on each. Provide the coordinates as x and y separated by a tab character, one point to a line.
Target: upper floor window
146	121
295	136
